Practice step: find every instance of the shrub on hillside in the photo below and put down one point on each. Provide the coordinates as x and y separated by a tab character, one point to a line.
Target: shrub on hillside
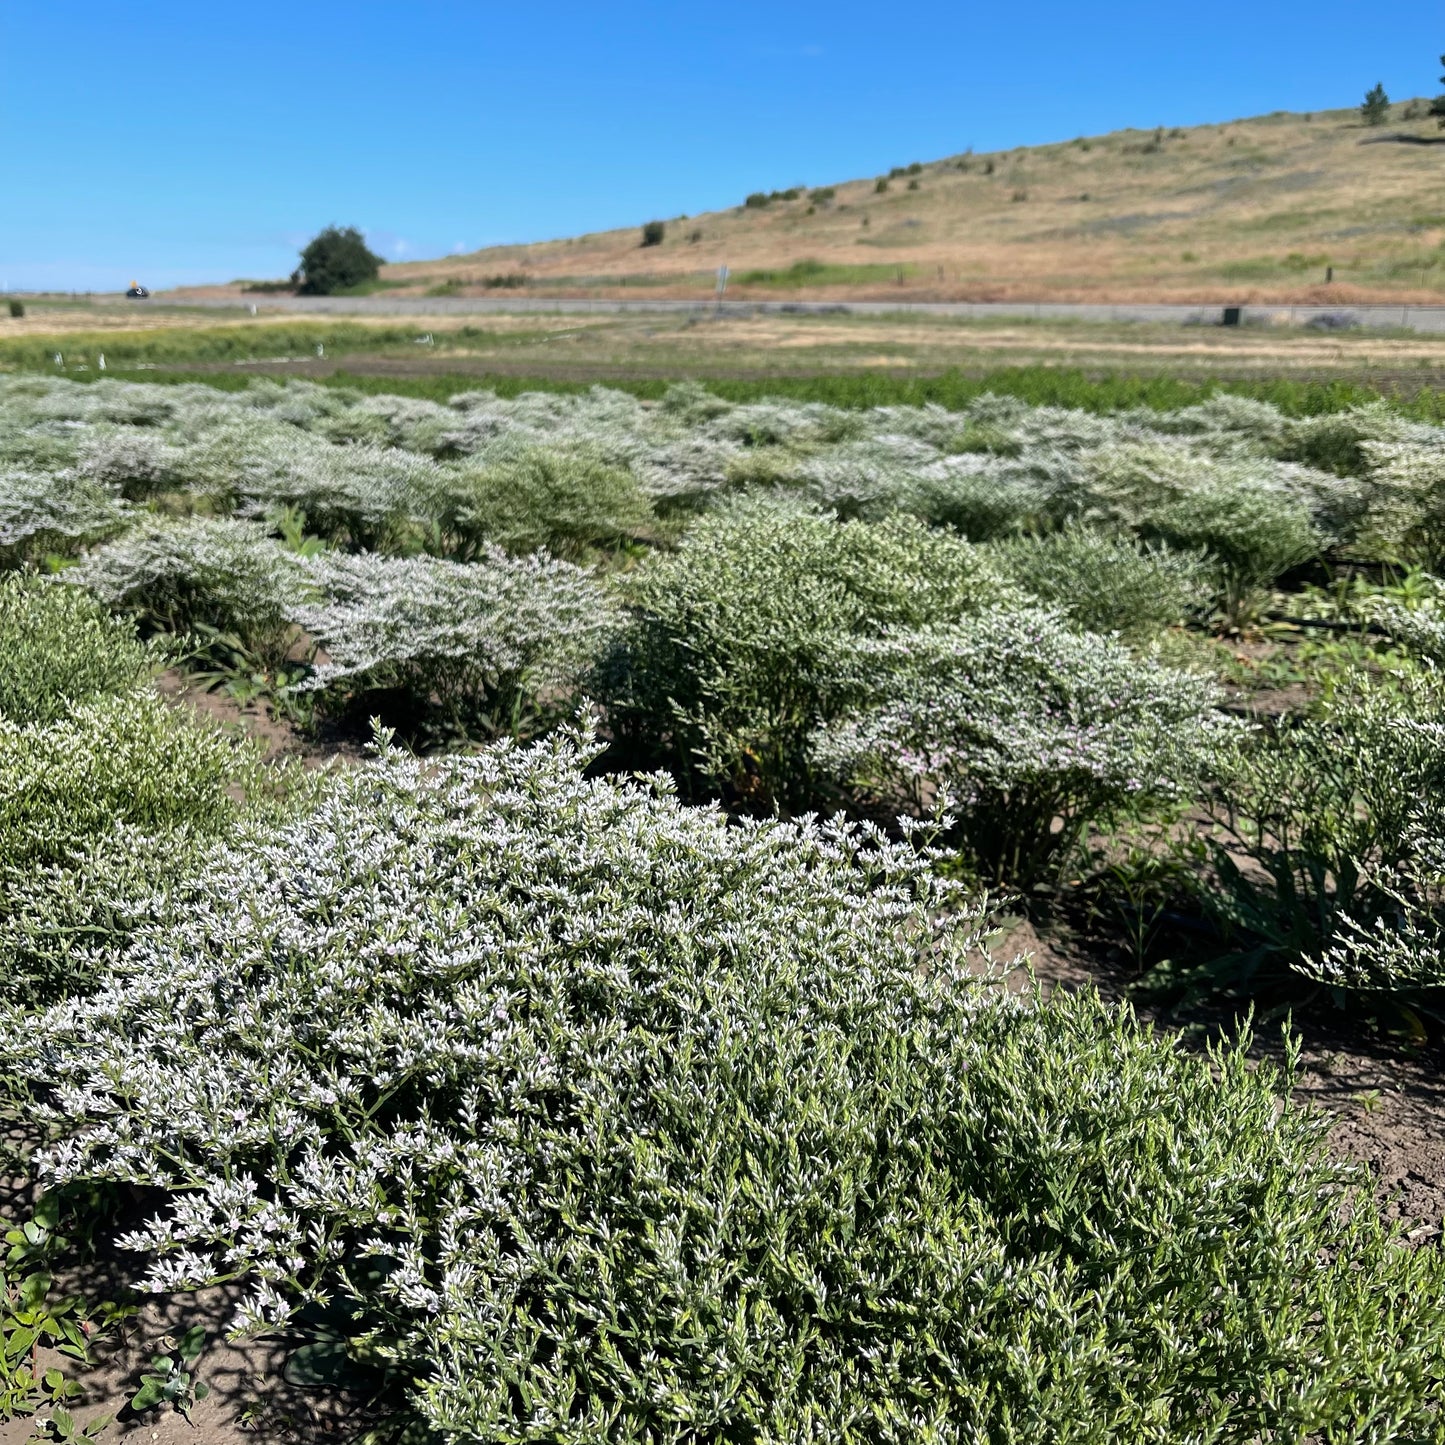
731	659
200	575
59	649
336	259
614	1120
1034	732
101	810
477	649
1108	583
653	233
565	502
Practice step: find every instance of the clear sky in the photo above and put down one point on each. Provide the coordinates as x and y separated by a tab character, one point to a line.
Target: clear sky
175	141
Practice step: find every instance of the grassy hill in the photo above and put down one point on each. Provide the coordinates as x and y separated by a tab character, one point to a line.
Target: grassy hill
1253	209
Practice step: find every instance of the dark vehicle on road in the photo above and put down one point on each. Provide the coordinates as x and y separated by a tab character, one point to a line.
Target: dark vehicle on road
137	292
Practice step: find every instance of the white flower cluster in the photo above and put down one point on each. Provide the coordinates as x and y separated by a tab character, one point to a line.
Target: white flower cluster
481	640
53	512
200	572
1024	724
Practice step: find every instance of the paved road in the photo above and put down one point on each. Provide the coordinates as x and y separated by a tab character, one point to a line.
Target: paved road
1405	317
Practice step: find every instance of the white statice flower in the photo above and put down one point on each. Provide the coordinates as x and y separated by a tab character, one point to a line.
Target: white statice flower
213	572
53	512
1034	730
482	639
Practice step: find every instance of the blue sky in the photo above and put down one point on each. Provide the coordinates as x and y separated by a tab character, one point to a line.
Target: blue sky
178	142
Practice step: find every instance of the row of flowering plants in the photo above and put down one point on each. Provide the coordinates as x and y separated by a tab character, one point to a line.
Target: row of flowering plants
597	1110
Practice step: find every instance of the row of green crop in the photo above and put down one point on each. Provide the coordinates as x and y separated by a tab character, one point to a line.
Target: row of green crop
952	389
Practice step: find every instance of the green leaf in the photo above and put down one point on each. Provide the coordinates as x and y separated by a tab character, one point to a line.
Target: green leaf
150	1394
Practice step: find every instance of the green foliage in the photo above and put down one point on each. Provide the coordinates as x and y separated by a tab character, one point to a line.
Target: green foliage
60	648
1252	528
1316	819
101	809
334	260
732	657
1107	583
34	1316
17	309
566	501
623	1122
1254	536
1375	110
653	233
171	1379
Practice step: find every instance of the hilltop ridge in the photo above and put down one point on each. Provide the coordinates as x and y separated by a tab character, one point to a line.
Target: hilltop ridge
1261	209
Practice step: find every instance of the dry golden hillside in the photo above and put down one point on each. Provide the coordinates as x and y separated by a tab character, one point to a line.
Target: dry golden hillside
1252	210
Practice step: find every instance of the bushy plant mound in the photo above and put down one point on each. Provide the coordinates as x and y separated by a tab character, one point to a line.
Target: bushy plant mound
483	645
58	513
565	502
1331	829
1032	730
100	810
1108	583
58	648
732	658
200	574
622	1122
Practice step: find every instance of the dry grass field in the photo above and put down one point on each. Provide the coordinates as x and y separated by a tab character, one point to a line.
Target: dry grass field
1252	210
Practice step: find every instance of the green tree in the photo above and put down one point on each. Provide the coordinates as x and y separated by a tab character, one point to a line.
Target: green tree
335	260
1437	106
1376	107
653	233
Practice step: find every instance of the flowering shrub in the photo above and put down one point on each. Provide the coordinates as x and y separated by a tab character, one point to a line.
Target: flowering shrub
1108	583
134	463
482	646
101	808
1033	732
1253	525
200	573
621	1122
1407	519
1322	822
361	497
59	649
57	512
565	502
731	659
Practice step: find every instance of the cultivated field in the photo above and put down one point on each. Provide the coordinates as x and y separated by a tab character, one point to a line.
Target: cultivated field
627	348
425	954
1253	209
